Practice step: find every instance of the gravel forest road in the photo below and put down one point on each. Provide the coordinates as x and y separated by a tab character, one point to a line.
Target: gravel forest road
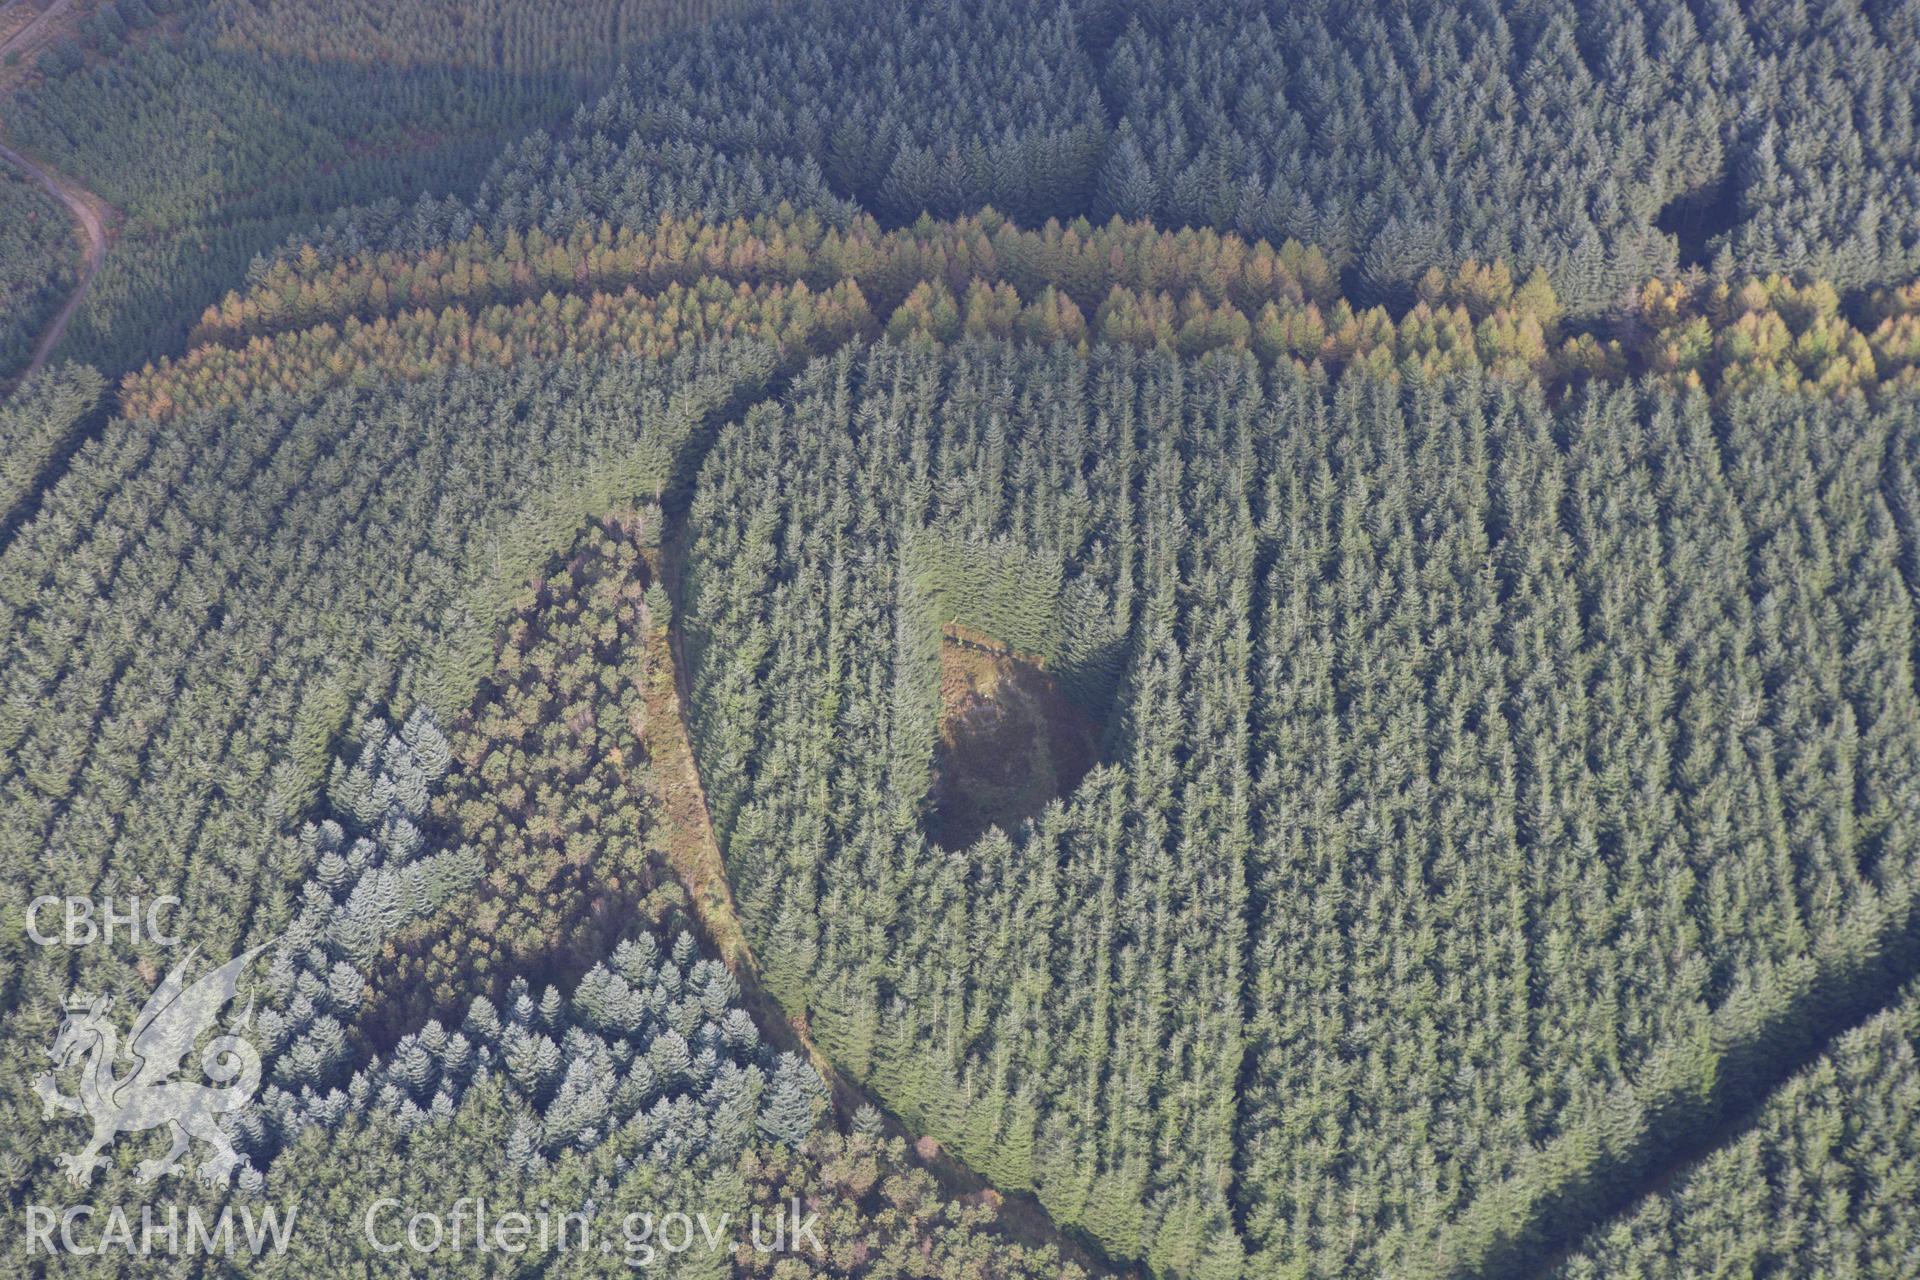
88	210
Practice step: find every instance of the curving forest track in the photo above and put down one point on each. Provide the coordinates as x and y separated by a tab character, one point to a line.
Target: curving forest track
35	31
694	853
88	210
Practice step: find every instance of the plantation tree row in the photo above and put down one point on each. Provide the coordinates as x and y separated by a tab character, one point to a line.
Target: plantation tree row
37	423
488	849
1121	285
1475	771
553	184
786	246
1193	290
197	609
420	344
1822	1183
142	300
1602	144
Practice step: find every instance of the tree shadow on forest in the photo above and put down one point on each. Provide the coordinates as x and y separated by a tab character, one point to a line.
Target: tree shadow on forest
337	135
1598	1179
1699	218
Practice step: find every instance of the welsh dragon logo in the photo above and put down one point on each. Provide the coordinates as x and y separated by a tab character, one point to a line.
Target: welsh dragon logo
132	1088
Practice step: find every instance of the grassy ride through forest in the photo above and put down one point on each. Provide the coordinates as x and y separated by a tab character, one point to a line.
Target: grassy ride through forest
686	830
996	480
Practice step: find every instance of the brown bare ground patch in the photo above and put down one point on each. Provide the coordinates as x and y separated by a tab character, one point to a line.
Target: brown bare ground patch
1009	740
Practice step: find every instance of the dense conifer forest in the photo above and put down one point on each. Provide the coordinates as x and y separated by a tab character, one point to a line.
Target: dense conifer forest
37	256
1154	638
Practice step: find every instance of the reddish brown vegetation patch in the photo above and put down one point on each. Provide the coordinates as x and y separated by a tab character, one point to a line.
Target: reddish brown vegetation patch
552	788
